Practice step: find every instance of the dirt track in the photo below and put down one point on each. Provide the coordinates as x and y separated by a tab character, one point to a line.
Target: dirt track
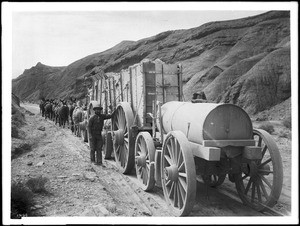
78	188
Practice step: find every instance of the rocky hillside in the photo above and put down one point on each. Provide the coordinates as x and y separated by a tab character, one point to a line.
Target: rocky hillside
244	61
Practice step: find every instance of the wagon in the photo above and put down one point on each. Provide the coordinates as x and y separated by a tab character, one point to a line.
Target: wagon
172	144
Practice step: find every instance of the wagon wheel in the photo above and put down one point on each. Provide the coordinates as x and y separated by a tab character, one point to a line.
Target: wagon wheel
214	180
107	145
260	182
144	160
123	142
178	173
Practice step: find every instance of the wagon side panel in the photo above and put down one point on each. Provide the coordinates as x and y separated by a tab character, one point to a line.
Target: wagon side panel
125	76
167	82
149	76
137	94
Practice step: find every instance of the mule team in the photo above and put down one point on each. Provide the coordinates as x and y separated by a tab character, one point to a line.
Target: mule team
64	112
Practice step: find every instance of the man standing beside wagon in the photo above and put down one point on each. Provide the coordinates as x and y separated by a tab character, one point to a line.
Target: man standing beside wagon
94	128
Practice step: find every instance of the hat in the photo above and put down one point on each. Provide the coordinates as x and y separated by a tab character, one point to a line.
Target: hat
97	106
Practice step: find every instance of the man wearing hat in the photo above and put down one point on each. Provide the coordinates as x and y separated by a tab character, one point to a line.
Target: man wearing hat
95	126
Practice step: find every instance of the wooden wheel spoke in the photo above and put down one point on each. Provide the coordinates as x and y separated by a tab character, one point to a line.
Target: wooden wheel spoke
148	167
144	176
182	192
258	193
265	162
259	142
180	199
248	186
176	150
118	118
175	194
122	120
125	154
172	150
264	151
181	167
118	149
264	171
144	146
139	149
253	192
116	124
168	159
265	180
122	156
168	183
171	192
183	183
180	160
168	152
140	170
263	188
126	146
183	175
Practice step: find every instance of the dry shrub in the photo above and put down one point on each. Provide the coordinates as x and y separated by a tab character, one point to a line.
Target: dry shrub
267	126
287	122
21	201
37	184
24	148
14	132
284	134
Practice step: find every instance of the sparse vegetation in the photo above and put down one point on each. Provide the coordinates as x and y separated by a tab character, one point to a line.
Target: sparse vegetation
23	148
14	132
37	184
21	200
287	122
267	126
284	134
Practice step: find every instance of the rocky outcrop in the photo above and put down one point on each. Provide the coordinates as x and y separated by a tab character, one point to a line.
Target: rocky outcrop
266	84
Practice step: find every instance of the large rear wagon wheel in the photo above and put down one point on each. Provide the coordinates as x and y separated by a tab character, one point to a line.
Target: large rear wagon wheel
144	160
123	142
260	183
178	173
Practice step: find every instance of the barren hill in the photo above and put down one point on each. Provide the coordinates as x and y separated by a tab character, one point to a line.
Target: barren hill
244	61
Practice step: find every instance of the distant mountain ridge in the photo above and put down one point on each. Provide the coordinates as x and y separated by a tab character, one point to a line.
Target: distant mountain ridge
244	61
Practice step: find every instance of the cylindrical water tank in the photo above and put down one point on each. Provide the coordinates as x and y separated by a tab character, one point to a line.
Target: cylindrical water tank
206	121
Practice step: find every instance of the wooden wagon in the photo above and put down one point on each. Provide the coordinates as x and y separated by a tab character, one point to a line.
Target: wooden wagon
172	144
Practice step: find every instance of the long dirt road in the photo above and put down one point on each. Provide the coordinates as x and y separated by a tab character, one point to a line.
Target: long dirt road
77	188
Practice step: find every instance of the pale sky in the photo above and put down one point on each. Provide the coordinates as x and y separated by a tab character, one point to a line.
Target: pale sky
60	38
57	34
